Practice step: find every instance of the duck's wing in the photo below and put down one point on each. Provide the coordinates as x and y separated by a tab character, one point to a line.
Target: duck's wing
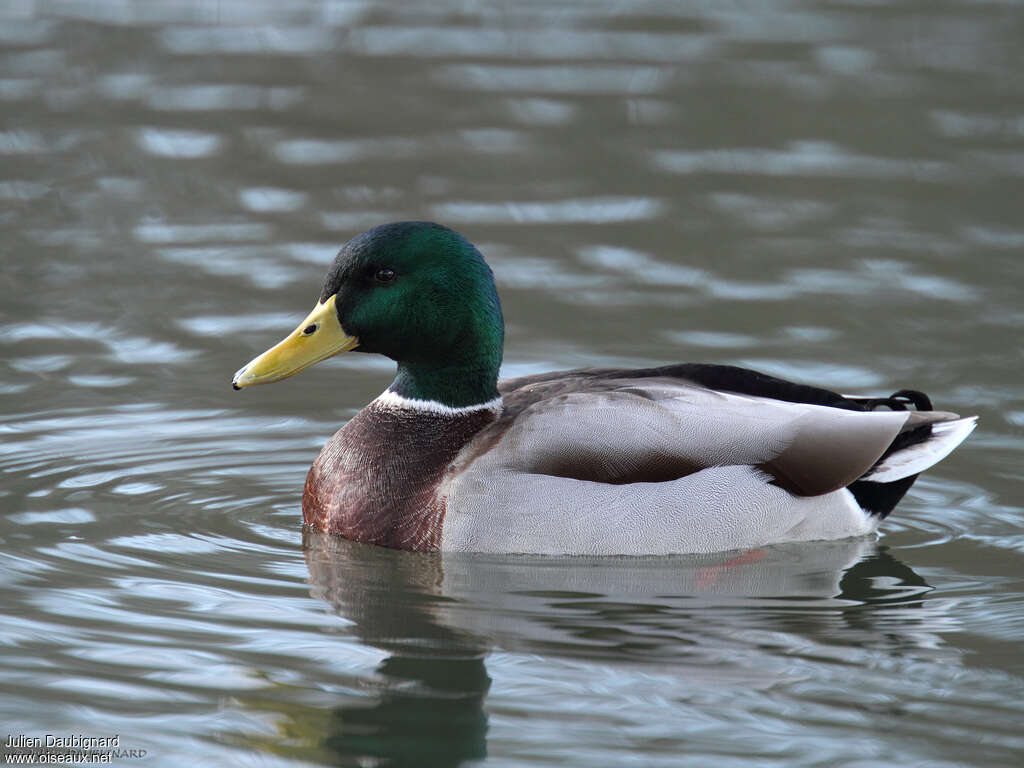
656	425
651	462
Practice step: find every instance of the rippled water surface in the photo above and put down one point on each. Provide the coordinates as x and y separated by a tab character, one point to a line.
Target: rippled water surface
826	191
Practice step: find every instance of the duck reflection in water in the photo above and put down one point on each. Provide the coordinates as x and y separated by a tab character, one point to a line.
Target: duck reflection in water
439	617
431	688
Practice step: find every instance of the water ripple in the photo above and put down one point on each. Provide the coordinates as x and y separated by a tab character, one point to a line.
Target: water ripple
234	39
594	210
272	199
557	79
218	97
534	42
153	232
166	142
800	158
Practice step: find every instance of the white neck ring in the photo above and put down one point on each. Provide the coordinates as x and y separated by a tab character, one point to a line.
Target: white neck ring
390	399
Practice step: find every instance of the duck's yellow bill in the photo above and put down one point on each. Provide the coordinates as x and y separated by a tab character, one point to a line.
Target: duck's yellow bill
318	337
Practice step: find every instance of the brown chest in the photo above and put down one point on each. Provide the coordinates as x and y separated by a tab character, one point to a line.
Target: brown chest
377	480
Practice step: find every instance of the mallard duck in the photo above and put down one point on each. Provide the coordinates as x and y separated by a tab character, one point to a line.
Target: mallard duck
682	458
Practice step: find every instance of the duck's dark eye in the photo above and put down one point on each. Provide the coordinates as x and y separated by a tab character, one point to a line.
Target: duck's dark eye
309	329
384	275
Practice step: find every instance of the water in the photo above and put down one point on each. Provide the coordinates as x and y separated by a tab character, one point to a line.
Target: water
829	192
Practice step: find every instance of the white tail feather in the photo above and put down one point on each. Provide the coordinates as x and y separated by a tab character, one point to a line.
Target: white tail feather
946	436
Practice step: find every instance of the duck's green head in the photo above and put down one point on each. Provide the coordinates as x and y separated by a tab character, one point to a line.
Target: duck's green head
414	291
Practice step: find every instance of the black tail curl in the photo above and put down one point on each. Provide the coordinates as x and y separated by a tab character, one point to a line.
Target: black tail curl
897	401
880	498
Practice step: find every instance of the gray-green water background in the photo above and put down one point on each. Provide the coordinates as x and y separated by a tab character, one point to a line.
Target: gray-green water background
828	191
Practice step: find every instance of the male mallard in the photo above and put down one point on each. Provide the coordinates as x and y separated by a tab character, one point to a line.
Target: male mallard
683	458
